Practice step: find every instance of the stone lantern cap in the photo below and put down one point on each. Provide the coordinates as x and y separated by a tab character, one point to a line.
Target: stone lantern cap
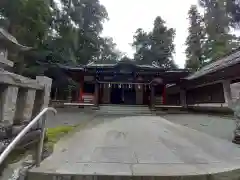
10	42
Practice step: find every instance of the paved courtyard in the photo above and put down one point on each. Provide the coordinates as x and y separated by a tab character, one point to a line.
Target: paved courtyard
218	126
143	146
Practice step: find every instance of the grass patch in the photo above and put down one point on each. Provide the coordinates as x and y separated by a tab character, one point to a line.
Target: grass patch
54	134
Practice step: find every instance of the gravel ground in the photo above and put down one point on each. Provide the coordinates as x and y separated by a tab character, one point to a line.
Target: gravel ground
218	126
69	116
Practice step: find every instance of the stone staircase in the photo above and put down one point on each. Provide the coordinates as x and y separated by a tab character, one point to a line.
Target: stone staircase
124	110
158	100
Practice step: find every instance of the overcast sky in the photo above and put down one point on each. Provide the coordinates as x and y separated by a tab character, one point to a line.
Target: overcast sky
128	15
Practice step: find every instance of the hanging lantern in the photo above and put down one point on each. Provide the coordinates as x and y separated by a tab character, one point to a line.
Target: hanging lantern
139	87
119	86
109	85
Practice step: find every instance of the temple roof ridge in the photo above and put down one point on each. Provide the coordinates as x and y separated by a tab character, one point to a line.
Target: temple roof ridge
133	62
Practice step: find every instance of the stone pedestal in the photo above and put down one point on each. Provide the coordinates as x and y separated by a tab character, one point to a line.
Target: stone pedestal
8	104
25	104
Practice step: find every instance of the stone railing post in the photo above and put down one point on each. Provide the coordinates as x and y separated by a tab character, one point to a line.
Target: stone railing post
25	103
42	97
8	104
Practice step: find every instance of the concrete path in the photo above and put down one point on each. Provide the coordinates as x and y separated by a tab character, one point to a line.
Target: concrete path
140	146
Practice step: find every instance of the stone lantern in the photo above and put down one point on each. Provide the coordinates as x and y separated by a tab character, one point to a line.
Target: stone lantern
8	44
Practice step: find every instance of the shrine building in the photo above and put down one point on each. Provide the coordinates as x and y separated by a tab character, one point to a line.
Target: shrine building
124	83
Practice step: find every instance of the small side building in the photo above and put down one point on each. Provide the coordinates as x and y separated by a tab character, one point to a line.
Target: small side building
212	87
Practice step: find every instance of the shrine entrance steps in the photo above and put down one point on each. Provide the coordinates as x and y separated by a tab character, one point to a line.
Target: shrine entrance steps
125	109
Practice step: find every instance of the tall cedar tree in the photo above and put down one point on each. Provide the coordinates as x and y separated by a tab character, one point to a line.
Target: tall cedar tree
162	45
195	40
217	21
156	46
142	47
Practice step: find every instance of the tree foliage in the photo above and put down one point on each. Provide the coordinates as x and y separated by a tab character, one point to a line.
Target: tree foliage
64	31
217	22
156	46
195	40
142	45
219	17
108	51
233	10
27	20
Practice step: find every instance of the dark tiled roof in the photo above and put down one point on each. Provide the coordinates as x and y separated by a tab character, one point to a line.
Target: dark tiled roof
220	64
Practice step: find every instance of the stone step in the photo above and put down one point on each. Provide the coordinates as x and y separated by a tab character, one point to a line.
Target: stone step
125	109
47	176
